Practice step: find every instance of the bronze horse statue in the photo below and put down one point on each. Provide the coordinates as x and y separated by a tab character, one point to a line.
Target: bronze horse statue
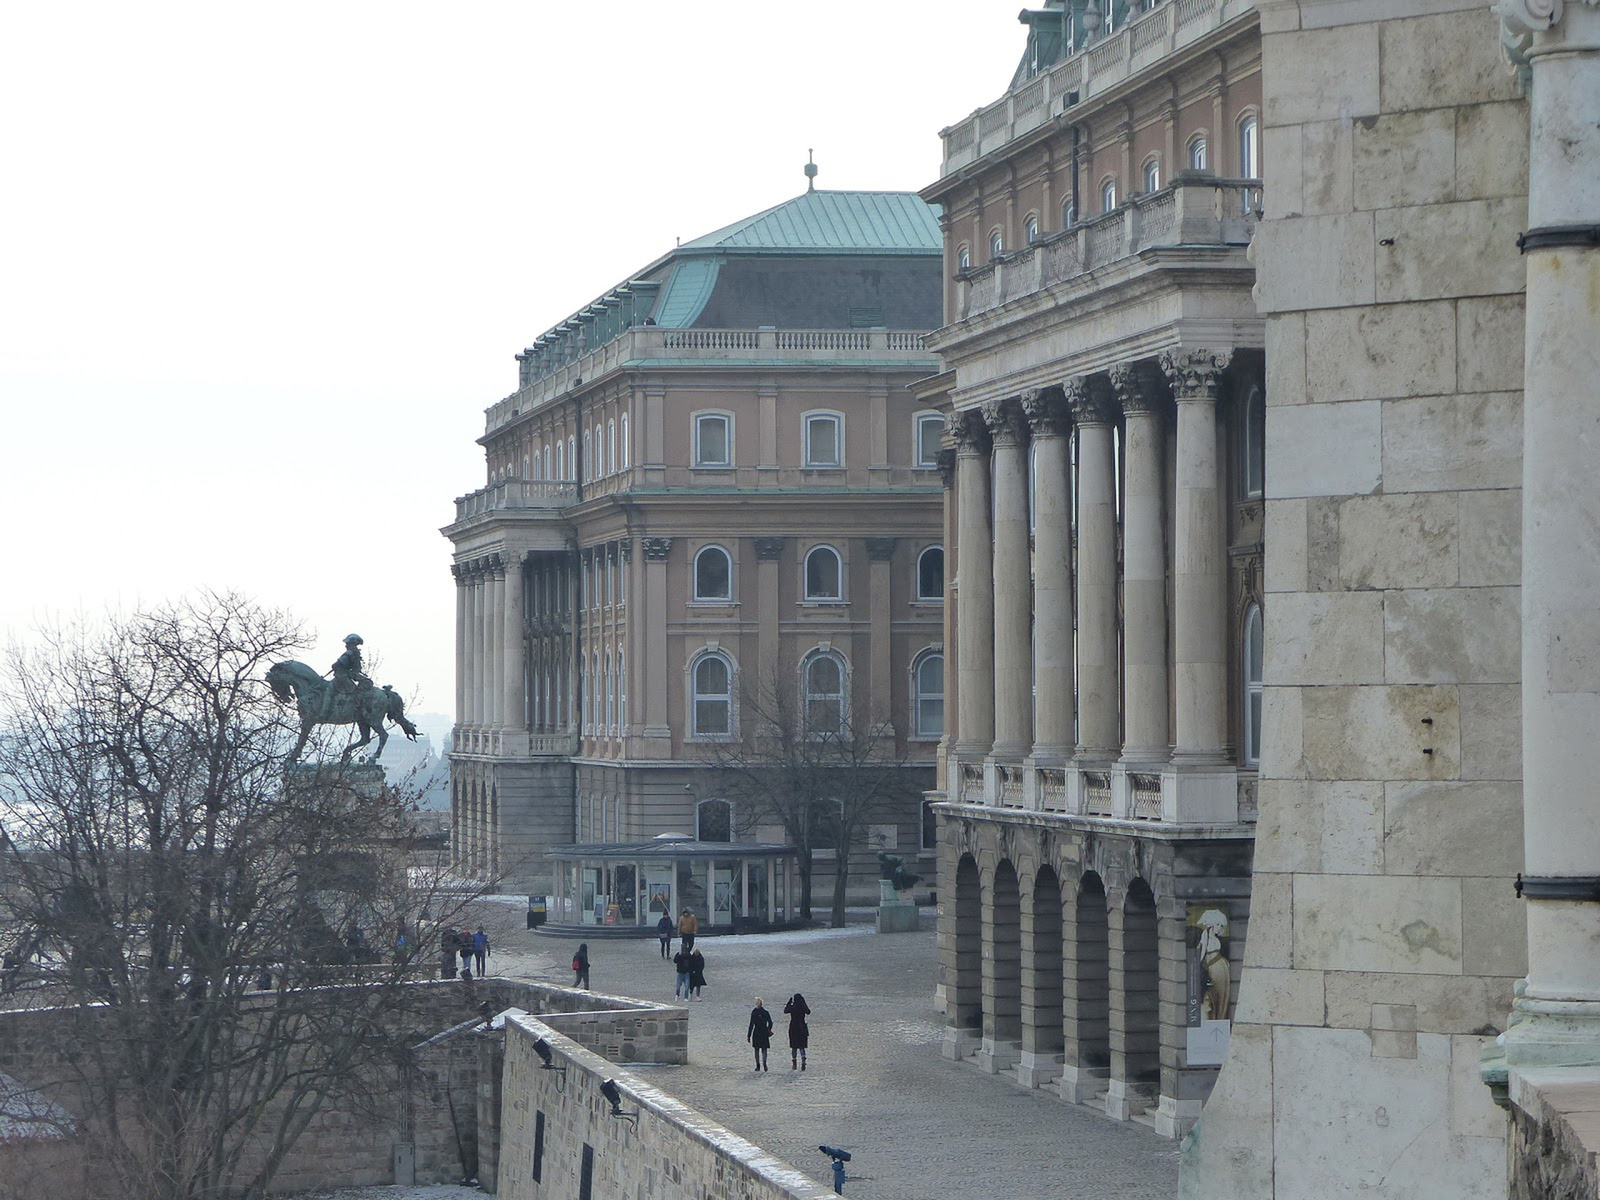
366	708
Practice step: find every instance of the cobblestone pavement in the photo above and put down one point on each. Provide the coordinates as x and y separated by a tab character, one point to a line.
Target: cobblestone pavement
919	1126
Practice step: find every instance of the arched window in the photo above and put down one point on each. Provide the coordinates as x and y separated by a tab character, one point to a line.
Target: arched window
930	574
997	244
712	702
538	467
588	456
1249	149
1255	431
713	821
713	440
824	439
1069	214
527	471
611	695
964	258
622	692
823	676
1152	175
1030	229
572	457
930	431
1197	152
713	574
927	694
1108	195
822	574
611	447
1252	685
547	474
624	441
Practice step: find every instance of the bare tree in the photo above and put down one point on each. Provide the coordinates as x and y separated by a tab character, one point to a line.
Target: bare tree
822	769
230	943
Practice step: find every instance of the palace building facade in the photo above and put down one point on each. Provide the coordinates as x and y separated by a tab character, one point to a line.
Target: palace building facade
1102	362
710	481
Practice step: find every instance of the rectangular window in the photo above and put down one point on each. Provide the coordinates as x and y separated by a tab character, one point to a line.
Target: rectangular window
538	1147
822	441
930	430
930	826
586	1174
711	441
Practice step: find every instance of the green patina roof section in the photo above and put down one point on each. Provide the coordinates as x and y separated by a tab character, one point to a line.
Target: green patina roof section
689	287
840	222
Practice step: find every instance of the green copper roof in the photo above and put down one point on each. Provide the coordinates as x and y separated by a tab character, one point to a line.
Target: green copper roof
836	222
688	288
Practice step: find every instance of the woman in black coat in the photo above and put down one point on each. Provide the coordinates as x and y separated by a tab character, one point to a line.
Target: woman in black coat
697	973
799	1031
759	1034
580	966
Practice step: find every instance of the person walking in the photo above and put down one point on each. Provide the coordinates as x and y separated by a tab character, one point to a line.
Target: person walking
481	950
680	962
697	973
664	932
759	1034
688	926
464	948
799	1031
580	966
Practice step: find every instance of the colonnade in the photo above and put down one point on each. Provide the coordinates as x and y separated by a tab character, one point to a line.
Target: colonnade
491	653
1029	691
474	824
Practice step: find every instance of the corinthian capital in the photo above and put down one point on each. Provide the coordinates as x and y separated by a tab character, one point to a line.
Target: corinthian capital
1007	425
1047	412
1193	373
969	433
1091	400
1531	16
1137	387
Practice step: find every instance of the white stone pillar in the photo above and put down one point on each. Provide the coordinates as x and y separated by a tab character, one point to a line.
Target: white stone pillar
1093	410
514	711
656	678
1560	1008
1199	593
474	646
1051	424
494	645
1013	598
975	717
462	589
1145	739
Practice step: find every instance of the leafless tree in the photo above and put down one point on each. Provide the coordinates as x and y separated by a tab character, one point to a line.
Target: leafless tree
820	769
229	943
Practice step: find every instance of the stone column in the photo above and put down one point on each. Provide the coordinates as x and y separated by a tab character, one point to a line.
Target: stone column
515	684
952	647
1013	599
494	643
461	643
880	556
975	719
1051	424
1144	568
1093	409
1200	580
769	553
474	645
1560	1009
656	680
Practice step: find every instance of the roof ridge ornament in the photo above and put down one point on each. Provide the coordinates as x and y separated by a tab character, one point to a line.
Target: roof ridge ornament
811	169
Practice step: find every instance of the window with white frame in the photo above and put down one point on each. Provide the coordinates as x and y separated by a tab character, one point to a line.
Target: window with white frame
1255	455
823	445
1197	152
624	447
713	440
713	575
572	458
561	462
930	435
711	705
611	447
611	695
1249	149
1030	229
583	585
588	456
1108	195
622	692
997	244
822	677
822	574
1152	175
1252	685
538	466
930	574
1069	214
927	694
964	259
713	821
611	580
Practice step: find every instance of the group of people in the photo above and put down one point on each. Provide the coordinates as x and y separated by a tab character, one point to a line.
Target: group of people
759	1032
473	948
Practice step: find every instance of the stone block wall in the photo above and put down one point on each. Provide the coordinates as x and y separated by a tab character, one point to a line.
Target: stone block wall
558	1131
1386	932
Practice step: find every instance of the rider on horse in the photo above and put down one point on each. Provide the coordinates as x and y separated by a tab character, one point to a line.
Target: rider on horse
348	677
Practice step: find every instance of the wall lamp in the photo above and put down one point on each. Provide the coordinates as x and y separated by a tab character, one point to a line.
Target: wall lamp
613	1095
547	1062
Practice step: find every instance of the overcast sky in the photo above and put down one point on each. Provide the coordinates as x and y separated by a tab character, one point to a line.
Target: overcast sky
264	266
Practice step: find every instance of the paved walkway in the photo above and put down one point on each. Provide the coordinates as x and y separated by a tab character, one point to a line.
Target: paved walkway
919	1126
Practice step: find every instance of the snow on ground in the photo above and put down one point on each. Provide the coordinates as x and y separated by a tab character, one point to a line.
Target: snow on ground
437	1191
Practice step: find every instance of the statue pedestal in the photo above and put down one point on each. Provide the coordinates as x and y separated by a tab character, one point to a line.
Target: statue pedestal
365	779
895	915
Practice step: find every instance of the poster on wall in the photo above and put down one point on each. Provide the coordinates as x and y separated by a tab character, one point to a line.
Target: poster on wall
1208	1002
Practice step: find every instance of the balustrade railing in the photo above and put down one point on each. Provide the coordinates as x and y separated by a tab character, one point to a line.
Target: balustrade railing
1052	790
1097	793
1010	787
971	784
516	494
1146	791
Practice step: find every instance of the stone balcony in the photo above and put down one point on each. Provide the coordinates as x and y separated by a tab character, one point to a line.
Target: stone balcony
1104	65
645	346
481	741
516	495
1197	210
1160	797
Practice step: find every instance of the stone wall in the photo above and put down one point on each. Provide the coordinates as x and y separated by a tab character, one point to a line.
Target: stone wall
557	1129
1386	934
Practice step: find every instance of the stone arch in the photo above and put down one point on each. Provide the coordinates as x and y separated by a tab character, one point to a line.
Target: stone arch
1002	977
964	996
1042	1026
1135	1004
1085	1024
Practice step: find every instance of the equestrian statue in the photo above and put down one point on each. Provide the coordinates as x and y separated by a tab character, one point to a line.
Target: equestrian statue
349	698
